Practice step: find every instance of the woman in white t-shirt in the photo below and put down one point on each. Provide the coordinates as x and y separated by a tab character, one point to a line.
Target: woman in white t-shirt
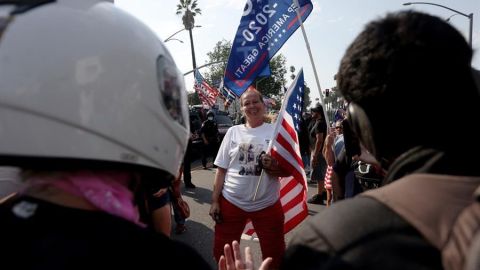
240	161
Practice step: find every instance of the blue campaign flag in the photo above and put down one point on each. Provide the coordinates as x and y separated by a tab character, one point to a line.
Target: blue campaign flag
265	26
265	72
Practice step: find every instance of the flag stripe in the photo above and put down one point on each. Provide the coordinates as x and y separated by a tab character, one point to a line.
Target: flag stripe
285	164
294	221
290	130
293	197
302	12
288	147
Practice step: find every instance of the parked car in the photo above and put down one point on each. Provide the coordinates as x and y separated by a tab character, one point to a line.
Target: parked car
224	122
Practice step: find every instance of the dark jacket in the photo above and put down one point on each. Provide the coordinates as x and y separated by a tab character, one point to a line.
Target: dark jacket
363	233
210	130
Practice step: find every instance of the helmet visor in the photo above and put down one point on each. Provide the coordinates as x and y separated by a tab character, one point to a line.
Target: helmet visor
172	89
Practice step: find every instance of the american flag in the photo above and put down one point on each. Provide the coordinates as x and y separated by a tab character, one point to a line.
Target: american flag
206	93
285	149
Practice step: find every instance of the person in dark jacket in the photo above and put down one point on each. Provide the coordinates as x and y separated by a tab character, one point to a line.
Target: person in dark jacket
87	120
304	139
398	67
317	130
209	133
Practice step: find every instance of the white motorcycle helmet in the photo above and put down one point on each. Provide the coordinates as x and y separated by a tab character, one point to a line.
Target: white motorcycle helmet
84	84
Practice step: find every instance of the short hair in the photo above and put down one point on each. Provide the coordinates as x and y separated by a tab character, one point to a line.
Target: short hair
405	67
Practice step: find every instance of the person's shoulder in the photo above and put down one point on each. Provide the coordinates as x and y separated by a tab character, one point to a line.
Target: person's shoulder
333	222
356	227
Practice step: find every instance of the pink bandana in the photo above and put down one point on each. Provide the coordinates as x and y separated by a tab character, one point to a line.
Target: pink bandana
105	190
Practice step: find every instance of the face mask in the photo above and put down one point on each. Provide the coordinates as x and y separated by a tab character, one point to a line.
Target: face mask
210	118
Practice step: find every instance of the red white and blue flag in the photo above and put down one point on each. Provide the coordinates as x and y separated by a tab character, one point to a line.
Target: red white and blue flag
264	27
285	149
206	93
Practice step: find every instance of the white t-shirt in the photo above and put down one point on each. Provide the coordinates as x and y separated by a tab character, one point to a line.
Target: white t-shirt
239	154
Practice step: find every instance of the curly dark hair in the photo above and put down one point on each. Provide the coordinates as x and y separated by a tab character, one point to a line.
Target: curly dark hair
409	72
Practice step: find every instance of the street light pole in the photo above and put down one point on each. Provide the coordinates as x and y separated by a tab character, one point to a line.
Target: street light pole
171	36
469	16
176	39
202	66
194	62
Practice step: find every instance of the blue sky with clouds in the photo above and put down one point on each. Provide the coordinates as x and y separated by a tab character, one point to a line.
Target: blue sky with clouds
330	28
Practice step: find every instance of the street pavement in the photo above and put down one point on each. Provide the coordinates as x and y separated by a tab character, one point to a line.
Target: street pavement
200	226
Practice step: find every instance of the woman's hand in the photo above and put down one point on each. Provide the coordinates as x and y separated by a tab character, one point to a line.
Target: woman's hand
268	162
270	165
235	261
215	212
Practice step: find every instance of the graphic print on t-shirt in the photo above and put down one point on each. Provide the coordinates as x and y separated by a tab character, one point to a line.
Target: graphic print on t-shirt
249	158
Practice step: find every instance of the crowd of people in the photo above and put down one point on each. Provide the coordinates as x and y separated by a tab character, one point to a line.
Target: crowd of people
99	140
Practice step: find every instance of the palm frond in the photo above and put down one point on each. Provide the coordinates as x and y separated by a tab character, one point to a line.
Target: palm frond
179	9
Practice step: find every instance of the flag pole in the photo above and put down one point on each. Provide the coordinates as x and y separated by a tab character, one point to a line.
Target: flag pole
258	184
299	17
282	110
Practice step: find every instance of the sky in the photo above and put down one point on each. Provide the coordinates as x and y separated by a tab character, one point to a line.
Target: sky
330	28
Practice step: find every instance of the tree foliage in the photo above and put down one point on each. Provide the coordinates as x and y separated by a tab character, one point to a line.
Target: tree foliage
219	54
272	86
306	98
333	102
188	9
193	98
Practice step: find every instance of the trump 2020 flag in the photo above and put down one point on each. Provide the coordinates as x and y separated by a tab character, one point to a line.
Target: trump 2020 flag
265	26
285	149
206	93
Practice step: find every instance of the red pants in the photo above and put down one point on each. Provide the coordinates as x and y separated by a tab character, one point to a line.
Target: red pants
268	224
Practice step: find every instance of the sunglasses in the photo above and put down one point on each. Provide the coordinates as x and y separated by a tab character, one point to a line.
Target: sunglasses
338	127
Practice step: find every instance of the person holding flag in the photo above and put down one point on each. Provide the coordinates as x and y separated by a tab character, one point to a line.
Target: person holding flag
277	199
240	161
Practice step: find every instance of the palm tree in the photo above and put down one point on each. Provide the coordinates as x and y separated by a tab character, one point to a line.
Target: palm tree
188	9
